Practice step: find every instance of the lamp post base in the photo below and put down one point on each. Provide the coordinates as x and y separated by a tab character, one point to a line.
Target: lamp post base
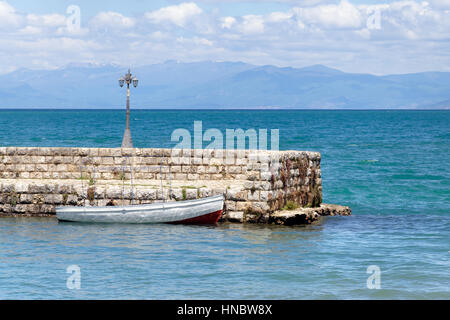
127	142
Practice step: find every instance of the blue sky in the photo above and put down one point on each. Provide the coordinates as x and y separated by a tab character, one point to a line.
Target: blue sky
380	37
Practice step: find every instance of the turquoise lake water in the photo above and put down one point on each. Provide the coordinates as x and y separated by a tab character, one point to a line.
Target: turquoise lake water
390	167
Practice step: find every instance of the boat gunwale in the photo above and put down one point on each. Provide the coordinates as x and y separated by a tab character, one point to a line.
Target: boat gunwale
140	207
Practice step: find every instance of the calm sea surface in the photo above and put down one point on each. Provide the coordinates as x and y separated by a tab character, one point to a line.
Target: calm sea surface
390	167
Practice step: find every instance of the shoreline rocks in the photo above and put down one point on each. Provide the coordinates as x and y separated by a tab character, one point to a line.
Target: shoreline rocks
308	215
300	216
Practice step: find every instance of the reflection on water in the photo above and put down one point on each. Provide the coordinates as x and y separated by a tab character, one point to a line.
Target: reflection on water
327	260
264	234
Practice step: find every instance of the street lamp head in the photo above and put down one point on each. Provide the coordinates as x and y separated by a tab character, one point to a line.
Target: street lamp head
121	82
135	82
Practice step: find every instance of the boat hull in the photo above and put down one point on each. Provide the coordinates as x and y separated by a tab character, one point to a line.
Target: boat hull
201	211
210	218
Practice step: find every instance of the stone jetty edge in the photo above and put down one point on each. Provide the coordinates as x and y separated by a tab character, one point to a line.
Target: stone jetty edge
257	185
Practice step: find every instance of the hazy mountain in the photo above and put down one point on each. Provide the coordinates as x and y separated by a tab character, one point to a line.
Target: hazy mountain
222	85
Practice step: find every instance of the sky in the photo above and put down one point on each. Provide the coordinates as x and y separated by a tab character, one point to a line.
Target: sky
361	36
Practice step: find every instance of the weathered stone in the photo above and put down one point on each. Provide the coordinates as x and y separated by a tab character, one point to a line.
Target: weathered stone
265	195
176	194
230	205
205	192
253	182
307	215
236	195
218	191
242	206
235	216
191	194
253	195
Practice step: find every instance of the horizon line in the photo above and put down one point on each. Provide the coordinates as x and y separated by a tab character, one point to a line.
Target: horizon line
219	109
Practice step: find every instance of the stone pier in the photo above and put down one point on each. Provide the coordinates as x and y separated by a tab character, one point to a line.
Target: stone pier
257	185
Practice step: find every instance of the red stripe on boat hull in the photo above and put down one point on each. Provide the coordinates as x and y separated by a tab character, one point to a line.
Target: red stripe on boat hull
210	218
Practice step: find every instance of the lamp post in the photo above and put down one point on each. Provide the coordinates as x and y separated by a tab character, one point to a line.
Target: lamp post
127	142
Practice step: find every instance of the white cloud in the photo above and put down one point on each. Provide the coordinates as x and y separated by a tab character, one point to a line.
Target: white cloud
342	15
252	24
413	36
195	41
279	16
112	20
412	20
440	3
61	44
310	3
159	36
227	22
30	30
47	20
177	14
8	16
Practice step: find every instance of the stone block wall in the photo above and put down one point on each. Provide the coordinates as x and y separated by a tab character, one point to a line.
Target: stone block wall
254	183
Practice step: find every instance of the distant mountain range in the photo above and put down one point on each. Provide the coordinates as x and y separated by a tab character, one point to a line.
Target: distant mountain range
225	85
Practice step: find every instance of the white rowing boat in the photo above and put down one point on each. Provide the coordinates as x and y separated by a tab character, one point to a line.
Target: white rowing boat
200	211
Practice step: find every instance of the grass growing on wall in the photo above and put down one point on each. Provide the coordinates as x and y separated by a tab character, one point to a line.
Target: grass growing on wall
291	205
